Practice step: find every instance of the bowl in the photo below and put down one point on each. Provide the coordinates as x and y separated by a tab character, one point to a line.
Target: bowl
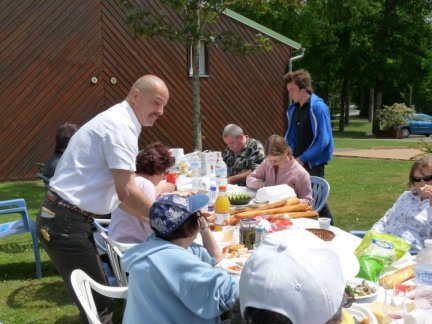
239	198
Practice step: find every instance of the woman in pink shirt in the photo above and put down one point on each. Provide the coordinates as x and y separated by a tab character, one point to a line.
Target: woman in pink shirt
281	168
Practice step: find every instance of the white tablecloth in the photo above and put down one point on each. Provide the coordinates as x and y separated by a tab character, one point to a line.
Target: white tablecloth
342	240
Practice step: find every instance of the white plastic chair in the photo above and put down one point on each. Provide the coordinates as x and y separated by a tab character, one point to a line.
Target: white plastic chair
115	252
320	192
83	285
25	224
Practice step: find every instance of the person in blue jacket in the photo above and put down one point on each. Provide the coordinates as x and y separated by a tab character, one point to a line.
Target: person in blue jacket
309	131
171	278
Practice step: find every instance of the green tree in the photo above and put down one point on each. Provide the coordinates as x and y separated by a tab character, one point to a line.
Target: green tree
192	19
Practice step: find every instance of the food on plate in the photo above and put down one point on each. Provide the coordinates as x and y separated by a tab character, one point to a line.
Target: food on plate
377	310
365	320
397	277
235	251
239	198
361	289
234	268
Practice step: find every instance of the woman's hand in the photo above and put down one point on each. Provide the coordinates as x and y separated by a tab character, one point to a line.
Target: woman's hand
261	185
426	193
165	187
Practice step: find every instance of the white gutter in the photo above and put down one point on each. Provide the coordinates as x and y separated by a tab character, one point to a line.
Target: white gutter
302	51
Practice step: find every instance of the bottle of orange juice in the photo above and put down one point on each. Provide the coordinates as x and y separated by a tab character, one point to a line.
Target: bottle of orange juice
222	209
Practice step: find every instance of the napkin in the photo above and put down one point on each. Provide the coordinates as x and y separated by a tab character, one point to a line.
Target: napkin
275	193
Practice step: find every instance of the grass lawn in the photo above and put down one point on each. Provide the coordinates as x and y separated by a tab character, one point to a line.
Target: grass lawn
361	191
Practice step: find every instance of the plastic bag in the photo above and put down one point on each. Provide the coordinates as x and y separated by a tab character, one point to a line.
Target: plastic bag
377	251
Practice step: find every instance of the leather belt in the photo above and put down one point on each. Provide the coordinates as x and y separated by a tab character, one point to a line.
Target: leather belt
53	197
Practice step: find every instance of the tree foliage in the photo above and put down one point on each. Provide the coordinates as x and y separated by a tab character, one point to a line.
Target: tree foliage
190	28
357	45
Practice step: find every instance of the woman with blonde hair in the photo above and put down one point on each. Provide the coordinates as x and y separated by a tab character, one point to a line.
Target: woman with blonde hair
411	216
281	168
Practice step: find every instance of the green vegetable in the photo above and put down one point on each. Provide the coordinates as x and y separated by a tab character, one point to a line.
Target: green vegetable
239	198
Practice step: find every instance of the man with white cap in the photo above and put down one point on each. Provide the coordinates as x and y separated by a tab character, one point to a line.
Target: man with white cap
171	278
295	277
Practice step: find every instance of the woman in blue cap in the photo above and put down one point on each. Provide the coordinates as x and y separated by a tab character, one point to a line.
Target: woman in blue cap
171	278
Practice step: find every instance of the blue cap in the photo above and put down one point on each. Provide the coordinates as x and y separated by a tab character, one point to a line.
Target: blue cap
170	212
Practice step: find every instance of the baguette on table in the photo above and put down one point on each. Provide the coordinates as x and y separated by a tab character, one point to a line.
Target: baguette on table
281	210
397	277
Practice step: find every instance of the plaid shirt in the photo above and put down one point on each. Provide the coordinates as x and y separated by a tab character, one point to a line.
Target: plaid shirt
249	158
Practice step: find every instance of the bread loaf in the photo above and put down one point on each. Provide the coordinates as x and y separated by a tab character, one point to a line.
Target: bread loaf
280	210
397	277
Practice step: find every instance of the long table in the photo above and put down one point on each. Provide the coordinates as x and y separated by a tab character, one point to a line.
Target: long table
342	240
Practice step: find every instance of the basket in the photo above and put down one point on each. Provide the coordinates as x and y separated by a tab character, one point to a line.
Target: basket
322	233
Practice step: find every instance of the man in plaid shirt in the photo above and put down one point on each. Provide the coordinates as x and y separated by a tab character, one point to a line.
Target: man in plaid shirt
242	155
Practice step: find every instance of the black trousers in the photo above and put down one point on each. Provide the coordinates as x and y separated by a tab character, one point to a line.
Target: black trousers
318	171
68	240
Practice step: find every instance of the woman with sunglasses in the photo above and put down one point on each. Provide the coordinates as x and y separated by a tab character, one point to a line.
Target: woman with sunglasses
281	168
152	164
411	216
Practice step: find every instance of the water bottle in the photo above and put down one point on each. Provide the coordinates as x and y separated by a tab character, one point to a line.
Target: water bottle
259	234
212	194
221	171
423	277
196	172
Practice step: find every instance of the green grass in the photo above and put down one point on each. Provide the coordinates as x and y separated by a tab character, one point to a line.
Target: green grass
361	191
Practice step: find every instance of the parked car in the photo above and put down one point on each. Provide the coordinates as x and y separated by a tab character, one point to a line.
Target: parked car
418	124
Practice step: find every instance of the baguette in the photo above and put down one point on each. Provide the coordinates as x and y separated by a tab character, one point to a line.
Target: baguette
280	210
306	213
397	277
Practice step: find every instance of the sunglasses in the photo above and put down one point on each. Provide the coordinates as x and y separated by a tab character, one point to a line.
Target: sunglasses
425	179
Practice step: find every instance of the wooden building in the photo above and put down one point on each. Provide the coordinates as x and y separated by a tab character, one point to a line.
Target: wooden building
66	61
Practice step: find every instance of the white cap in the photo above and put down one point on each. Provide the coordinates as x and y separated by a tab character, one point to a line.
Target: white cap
297	274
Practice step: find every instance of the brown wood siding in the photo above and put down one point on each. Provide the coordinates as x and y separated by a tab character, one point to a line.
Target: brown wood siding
50	50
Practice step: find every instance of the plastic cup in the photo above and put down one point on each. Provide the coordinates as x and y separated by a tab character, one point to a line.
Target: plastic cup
228	233
324	222
171	178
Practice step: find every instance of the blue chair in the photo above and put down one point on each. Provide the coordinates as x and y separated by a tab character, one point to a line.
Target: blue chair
18	206
45	180
361	234
320	192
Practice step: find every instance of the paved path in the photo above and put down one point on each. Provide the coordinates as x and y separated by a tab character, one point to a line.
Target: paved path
381	153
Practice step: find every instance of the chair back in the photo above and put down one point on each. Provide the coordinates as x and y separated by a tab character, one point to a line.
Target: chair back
320	192
40	173
83	286
115	252
23	225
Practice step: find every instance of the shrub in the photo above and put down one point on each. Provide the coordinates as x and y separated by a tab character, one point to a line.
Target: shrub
391	117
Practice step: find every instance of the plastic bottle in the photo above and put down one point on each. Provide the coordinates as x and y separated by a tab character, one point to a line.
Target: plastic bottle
221	171
212	194
222	209
423	277
259	234
196	172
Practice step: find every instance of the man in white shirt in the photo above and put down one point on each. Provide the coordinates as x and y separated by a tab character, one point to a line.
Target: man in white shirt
95	174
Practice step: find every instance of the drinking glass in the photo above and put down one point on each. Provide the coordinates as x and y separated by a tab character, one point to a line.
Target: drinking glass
394	304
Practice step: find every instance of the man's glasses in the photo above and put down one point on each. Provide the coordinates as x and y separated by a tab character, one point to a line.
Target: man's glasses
425	179
275	161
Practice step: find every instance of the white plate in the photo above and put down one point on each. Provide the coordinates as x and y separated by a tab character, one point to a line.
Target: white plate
238	206
355	281
231	262
259	202
361	312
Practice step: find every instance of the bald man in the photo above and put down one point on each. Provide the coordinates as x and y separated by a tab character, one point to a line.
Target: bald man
94	176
